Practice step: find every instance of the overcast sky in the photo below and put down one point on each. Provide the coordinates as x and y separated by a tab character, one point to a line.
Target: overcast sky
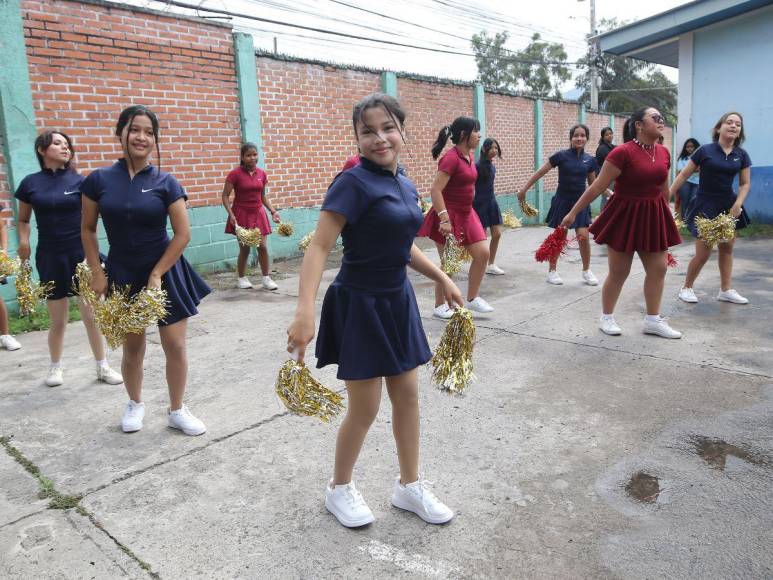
440	25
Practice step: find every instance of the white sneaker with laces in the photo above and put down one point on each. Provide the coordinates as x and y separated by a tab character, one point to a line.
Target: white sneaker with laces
554	278
589	278
477	304
347	505
661	328
133	414
55	376
688	295
184	420
495	270
9	343
609	326
443	311
108	375
731	296
418	498
243	283
268	283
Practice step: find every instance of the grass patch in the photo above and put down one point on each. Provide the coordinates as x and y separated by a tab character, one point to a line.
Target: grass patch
39	319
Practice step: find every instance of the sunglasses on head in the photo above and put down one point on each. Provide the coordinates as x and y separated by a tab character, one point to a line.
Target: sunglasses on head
658	118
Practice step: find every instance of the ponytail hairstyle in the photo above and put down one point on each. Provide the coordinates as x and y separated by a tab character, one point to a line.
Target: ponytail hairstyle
458	131
629	129
44	141
126	118
246	147
604	132
483	168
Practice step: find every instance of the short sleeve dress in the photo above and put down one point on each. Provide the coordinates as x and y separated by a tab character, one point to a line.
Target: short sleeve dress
485	202
248	200
573	170
637	218
370	325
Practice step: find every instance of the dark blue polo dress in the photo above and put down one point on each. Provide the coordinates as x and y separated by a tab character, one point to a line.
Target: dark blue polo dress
573	170
485	202
55	197
370	325
134	213
715	193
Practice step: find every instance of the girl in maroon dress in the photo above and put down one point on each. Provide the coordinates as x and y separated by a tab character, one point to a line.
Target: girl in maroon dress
452	193
637	219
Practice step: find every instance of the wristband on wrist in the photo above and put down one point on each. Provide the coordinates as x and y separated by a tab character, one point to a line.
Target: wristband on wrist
441	212
445	223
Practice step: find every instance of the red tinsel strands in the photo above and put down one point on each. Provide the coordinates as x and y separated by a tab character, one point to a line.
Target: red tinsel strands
553	246
672	263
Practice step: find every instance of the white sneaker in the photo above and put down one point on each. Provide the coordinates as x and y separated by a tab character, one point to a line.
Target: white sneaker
731	296
55	376
268	283
688	295
418	498
347	505
243	283
184	420
554	278
495	270
589	278
477	304
661	328
108	375
9	343
132	418
608	325
443	311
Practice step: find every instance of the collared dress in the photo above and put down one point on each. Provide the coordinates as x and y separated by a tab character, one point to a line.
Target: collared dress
248	200
573	170
485	202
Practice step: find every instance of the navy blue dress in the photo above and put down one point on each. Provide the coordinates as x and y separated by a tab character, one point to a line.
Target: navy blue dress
485	202
573	170
715	193
134	213
55	197
370	325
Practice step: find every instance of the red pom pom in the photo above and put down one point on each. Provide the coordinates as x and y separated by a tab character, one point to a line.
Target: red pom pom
671	261
553	246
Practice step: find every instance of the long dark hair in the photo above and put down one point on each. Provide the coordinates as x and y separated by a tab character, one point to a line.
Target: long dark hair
459	130
126	118
695	145
629	129
603	131
44	141
483	165
246	147
715	131
574	128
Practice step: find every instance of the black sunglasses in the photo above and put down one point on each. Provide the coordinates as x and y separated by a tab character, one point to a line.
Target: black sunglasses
658	118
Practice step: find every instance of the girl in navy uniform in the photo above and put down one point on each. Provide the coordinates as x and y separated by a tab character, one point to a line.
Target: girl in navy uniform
485	202
134	199
575	167
370	325
686	193
605	146
719	162
7	341
54	195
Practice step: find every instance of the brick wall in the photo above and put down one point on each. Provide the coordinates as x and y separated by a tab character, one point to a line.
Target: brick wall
510	120
557	118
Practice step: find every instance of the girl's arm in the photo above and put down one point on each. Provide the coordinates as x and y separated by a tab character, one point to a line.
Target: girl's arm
423	265
533	179
227	189
744	181
89	218
608	174
688	170
301	330
178	216
274	213
592	177
23	228
438	204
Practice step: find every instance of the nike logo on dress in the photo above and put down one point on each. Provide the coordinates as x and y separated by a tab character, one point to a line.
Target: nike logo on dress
71	192
147	190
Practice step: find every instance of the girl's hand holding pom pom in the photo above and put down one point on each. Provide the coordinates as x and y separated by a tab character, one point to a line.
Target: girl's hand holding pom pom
299	335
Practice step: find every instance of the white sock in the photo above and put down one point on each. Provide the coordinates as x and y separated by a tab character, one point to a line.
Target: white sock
56	365
652	318
607	316
102	363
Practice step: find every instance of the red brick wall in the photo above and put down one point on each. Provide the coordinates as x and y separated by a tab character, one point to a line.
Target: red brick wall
557	118
510	120
88	61
595	122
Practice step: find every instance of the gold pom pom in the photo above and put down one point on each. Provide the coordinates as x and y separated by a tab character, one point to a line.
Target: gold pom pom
716	231
528	210
303	395
28	291
303	245
251	238
678	221
452	256
286	229
452	361
510	220
424	206
8	266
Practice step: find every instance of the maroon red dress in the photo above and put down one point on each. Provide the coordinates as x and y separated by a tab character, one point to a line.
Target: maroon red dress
637	217
458	195
248	200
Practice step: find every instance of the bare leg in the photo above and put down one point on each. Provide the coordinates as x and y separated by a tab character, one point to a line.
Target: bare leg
439	297
58	312
726	265
131	365
702	255
583	241
96	342
496	235
241	261
364	398
173	343
263	257
655	266
619	268
4	329
480	259
404	393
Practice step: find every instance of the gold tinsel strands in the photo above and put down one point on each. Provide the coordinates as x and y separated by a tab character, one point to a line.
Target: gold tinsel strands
28	291
510	220
8	266
302	394
452	361
303	245
286	229
717	230
251	238
528	210
425	207
452	257
678	221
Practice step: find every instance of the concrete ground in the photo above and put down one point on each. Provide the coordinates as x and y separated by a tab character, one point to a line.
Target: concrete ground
575	455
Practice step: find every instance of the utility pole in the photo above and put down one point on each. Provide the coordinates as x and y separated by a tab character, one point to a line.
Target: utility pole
593	53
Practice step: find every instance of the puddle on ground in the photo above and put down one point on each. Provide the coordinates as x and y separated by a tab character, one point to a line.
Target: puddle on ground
643	487
715	452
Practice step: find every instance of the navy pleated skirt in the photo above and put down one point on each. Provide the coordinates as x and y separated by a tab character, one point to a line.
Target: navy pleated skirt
56	264
710	206
488	211
562	205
